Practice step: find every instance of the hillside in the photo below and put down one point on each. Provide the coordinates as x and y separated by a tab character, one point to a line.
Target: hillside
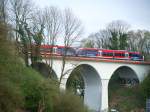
22	89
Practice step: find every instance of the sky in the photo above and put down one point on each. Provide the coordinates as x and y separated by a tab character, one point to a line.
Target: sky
96	14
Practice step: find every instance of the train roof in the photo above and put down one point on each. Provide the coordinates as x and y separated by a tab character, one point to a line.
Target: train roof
48	46
51	46
104	50
136	52
88	49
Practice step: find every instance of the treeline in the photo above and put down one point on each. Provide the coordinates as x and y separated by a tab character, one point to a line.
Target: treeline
32	25
117	36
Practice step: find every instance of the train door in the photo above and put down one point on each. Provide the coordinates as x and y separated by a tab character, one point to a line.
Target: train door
126	55
99	53
54	50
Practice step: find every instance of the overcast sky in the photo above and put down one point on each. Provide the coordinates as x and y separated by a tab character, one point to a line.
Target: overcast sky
96	14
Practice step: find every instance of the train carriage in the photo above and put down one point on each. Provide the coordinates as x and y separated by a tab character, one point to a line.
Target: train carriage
57	50
87	52
91	52
110	54
136	56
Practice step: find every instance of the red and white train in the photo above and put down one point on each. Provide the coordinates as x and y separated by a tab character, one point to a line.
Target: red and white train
91	52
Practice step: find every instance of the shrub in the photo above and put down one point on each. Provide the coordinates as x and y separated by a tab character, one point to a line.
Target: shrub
21	87
11	97
67	102
38	91
145	87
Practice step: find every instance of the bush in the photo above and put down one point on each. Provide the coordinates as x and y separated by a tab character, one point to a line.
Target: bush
21	87
67	102
11	97
38	91
145	87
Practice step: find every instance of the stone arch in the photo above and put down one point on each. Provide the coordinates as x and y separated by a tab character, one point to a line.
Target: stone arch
44	69
122	77
92	83
126	72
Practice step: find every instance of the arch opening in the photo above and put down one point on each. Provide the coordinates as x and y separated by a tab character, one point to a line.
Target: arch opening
45	70
121	85
75	83
87	83
125	76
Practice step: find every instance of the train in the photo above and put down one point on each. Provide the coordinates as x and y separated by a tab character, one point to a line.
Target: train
91	53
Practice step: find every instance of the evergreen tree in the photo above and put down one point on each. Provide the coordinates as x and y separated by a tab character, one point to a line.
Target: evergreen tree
114	43
123	41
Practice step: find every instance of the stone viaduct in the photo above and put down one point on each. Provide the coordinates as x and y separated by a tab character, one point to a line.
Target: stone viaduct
97	74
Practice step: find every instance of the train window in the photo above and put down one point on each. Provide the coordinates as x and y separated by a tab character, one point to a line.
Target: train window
110	54
134	55
120	54
104	54
94	52
70	51
126	55
87	52
42	49
67	51
82	52
107	53
46	49
51	49
54	49
100	53
59	50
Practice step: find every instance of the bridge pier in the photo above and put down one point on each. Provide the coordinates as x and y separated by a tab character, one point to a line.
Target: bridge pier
104	99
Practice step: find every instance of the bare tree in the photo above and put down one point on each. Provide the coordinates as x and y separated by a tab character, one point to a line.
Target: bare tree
21	15
20	12
99	39
132	41
3	10
102	39
53	19
37	33
136	40
139	41
72	30
147	43
34	30
118	26
88	42
52	16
